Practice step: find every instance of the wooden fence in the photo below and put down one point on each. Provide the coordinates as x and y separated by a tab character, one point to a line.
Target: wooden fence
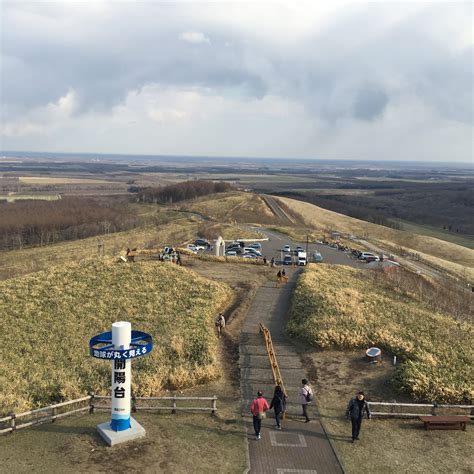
414	410
60	410
277	378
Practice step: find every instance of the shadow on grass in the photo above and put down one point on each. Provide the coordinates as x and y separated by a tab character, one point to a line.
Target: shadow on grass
75	430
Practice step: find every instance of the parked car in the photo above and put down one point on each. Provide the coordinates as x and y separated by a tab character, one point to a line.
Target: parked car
287	260
317	257
200	247
193	248
286	248
299	249
256	245
371	258
252	251
364	255
202	243
248	255
231	253
233	247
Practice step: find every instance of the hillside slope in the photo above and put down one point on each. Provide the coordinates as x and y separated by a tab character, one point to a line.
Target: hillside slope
338	306
321	219
49	316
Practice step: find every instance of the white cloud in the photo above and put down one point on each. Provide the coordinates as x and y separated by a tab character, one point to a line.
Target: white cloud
338	79
195	37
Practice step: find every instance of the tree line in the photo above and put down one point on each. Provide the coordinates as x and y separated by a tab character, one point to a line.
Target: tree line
180	191
27	223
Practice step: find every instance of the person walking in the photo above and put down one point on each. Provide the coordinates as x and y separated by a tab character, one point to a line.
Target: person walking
272	262
258	408
278	404
306	397
220	324
355	410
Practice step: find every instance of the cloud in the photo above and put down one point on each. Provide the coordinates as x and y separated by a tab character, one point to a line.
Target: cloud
297	79
194	37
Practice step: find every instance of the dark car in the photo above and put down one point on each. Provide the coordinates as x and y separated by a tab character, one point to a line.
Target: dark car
202	242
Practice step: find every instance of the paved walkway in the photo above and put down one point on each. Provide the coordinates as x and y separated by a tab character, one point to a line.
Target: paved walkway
300	448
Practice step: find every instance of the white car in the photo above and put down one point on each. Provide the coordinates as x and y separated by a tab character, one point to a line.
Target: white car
364	255
192	248
286	248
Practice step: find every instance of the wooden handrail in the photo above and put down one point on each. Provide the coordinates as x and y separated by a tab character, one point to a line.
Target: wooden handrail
277	378
49	413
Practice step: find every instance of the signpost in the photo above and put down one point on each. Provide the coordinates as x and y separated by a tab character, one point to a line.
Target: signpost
120	346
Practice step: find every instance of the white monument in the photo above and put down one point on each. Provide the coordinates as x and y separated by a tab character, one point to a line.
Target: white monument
220	247
121	345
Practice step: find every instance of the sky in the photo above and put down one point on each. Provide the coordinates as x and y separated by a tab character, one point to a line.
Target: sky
284	79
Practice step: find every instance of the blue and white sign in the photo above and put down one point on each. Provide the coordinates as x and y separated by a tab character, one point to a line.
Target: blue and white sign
101	346
119	346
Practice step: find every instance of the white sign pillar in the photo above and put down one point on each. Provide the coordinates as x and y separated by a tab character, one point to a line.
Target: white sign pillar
121	377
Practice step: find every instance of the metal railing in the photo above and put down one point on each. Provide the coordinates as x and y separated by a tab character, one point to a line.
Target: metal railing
53	412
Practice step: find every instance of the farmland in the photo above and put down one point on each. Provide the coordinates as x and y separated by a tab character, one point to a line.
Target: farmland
340	307
51	311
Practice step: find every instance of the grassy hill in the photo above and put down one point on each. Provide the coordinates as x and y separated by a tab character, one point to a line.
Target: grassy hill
232	207
344	308
454	257
49	316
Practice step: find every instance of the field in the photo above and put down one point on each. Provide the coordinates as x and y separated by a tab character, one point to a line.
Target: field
324	220
465	241
340	307
232	207
51	316
51	180
12	197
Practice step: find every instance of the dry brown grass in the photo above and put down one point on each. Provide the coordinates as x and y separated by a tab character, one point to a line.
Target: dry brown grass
341	307
232	207
386	446
447	253
51	315
20	262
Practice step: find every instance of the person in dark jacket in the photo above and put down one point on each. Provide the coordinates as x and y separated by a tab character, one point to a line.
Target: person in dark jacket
278	404
355	410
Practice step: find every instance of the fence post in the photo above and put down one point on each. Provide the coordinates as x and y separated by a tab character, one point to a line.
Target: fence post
134	403
54	412
91	403
173	410
214	406
433	409
12	421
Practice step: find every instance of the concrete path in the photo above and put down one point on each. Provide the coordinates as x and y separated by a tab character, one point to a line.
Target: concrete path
299	448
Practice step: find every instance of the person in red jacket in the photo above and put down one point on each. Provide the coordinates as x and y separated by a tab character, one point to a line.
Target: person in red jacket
258	408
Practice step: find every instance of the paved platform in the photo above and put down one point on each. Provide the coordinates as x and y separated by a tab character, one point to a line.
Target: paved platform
299	448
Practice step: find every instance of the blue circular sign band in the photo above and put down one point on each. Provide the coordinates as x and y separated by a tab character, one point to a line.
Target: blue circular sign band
101	346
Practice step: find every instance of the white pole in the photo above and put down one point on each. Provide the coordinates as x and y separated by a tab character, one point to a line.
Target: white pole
121	377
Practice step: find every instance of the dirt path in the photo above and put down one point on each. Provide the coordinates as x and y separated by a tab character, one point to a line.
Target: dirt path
299	446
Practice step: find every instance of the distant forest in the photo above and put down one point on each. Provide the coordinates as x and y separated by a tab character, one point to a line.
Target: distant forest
446	206
180	191
26	223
